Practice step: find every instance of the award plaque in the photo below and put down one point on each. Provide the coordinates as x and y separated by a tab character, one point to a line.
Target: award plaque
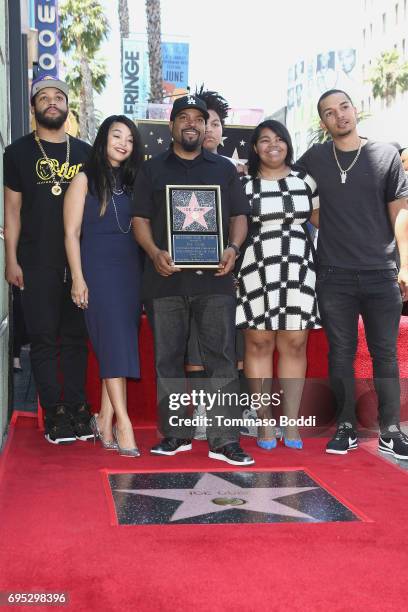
194	225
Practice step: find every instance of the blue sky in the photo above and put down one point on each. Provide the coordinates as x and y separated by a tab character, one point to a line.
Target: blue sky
242	48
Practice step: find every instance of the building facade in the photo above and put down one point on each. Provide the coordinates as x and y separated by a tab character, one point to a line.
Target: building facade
4	290
308	78
384	27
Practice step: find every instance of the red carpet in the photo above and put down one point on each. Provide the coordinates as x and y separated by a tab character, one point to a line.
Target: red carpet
142	393
56	536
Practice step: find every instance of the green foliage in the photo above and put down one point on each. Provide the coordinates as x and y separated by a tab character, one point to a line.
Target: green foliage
389	75
83	26
99	75
74	80
317	135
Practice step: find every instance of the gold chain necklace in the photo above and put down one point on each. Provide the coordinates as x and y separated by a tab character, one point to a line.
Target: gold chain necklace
343	173
56	188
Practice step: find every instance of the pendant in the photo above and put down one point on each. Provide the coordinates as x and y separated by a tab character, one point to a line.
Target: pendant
56	190
343	177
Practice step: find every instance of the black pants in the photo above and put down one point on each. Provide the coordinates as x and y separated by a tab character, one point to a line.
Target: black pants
214	316
19	329
342	296
58	336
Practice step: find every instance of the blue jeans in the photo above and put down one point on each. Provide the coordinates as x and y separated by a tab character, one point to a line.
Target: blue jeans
342	296
214	316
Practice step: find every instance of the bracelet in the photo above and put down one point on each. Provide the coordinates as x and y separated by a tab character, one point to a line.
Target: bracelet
235	248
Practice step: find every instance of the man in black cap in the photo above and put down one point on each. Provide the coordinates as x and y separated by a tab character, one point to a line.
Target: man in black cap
37	171
176	295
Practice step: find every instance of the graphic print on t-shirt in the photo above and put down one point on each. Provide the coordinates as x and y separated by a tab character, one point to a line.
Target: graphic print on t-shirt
27	171
64	170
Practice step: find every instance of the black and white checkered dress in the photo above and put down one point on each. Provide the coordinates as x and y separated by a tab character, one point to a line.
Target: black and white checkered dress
276	282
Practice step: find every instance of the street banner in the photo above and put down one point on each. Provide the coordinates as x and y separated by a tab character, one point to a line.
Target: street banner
46	22
175	66
136	73
135	76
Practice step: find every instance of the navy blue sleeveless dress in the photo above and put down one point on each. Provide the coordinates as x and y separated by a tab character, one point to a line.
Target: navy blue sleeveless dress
111	265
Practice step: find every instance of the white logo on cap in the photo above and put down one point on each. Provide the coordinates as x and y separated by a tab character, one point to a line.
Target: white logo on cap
191	101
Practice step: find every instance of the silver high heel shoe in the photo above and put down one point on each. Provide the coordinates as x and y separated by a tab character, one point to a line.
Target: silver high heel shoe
107	444
125	452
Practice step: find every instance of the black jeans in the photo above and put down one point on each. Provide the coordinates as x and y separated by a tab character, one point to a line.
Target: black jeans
342	296
214	316
19	329
58	336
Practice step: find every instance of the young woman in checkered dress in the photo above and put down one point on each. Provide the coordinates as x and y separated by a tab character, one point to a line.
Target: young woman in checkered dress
276	283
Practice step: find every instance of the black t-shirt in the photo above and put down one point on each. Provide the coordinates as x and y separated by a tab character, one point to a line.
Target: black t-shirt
41	240
149	201
355	229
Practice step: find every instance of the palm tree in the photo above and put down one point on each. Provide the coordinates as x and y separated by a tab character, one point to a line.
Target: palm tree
83	27
74	80
155	53
123	12
389	75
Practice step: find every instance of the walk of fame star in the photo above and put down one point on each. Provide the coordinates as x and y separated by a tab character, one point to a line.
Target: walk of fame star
224	497
235	156
202	498
194	212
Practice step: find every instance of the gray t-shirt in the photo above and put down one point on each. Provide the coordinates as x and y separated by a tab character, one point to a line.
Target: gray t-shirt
355	229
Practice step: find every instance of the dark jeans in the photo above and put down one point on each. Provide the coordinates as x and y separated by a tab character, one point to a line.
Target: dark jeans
19	329
58	336
214	316
343	295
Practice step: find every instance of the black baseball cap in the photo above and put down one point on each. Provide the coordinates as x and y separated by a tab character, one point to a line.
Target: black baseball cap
188	102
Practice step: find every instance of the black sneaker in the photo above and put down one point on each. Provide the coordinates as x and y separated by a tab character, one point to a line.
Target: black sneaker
58	425
80	422
231	453
344	440
171	446
396	446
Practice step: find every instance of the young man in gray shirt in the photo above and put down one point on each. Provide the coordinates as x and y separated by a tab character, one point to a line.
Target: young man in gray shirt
363	194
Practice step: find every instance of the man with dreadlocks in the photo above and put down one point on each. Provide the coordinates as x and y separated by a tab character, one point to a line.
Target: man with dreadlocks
218	110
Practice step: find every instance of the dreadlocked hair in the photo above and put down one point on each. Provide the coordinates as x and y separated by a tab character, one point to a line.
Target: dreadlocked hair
215	102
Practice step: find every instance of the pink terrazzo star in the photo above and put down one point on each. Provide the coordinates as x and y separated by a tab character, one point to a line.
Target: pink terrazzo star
194	212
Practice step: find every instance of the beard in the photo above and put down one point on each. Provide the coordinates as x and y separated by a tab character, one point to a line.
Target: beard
52	123
192	145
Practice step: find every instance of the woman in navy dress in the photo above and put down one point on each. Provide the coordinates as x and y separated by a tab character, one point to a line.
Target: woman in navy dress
105	263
